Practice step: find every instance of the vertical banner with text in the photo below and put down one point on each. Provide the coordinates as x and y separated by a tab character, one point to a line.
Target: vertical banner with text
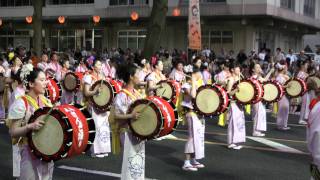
194	32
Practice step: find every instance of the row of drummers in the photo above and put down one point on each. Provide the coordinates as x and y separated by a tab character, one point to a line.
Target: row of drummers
73	125
158	114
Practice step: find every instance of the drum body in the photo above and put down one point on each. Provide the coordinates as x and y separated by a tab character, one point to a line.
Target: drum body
102	101
72	81
250	91
157	119
53	91
211	100
170	90
273	91
68	131
295	87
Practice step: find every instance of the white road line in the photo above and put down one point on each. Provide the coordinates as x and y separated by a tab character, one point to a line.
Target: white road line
294	125
103	173
275	145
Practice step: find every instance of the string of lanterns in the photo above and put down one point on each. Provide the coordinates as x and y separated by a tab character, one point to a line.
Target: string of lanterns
96	19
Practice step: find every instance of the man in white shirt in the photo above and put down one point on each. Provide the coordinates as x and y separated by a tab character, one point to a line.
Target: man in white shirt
291	56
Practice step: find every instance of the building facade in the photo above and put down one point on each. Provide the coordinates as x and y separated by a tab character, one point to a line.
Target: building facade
228	24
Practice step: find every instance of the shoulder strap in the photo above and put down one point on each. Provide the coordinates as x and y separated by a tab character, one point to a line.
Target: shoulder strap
313	103
25	102
132	96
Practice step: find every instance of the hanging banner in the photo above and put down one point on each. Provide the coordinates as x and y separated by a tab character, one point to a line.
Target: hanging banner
194	33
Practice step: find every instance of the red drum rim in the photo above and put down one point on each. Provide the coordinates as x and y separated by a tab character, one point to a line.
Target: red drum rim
47	92
67	130
217	111
106	107
303	85
159	120
280	90
260	94
67	140
173	96
235	97
76	77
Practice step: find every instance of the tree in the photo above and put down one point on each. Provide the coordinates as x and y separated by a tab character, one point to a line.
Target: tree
37	26
156	25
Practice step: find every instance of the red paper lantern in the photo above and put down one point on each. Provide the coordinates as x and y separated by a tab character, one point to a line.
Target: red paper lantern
61	19
29	19
176	12
96	19
134	16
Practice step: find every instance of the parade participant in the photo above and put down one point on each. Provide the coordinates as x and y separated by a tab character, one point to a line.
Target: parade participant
206	74
3	95
101	145
55	66
194	148
236	125
283	104
109	69
221	77
43	65
82	67
145	70
67	97
259	111
19	115
313	135
18	91
177	73
133	162
302	74
155	77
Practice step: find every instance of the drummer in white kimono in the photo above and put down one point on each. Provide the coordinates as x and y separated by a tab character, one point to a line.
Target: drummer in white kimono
102	144
259	111
133	163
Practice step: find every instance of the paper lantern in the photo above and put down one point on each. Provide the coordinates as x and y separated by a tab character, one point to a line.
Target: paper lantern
61	19
176	12
29	19
134	16
96	19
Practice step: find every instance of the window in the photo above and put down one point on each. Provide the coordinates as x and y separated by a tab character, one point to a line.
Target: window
9	3
309	8
218	39
128	2
15	38
133	39
288	4
57	2
76	38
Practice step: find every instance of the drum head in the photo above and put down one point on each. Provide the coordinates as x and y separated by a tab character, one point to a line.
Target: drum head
271	92
165	91
49	139
103	97
246	92
147	123
70	82
294	88
207	101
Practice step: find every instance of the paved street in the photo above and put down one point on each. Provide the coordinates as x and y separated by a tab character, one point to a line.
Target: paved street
279	155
